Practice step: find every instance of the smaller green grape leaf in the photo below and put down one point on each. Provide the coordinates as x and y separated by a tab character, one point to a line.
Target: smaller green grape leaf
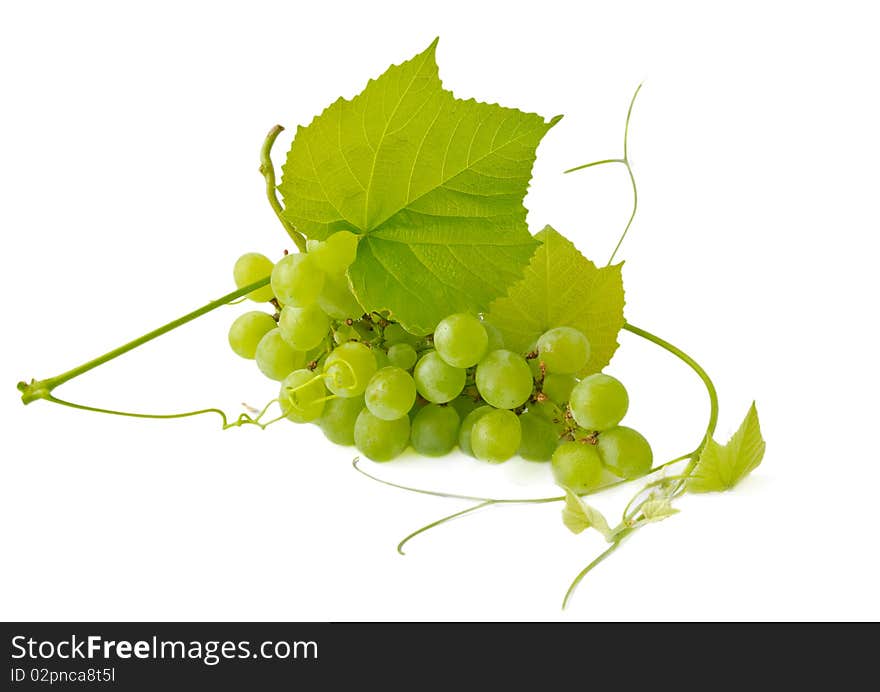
658	509
721	467
562	288
578	516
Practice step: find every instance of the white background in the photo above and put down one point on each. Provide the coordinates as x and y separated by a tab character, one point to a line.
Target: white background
129	185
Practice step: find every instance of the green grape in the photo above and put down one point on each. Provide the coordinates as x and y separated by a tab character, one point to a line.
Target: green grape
435	430
349	369
402	355
467	426
436	380
598	402
563	350
496	435
577	466
247	330
539	437
504	380
390	393
297	280
461	340
252	267
394	333
625	452
337	300
303	328
496	340
275	358
380	440
338	419
335	254
463	405
302	396
558	387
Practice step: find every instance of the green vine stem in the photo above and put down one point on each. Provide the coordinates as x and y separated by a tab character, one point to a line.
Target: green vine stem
589	568
625	162
42	389
696	367
268	171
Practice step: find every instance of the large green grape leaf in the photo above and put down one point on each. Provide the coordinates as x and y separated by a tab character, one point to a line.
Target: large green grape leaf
723	466
434	184
562	288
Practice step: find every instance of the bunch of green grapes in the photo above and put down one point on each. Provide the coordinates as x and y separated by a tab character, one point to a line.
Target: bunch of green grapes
368	382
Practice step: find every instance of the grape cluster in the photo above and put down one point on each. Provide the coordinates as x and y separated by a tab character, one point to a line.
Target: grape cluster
368	382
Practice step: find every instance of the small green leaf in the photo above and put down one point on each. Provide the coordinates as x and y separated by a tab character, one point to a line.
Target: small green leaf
722	467
434	184
658	509
563	288
578	516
